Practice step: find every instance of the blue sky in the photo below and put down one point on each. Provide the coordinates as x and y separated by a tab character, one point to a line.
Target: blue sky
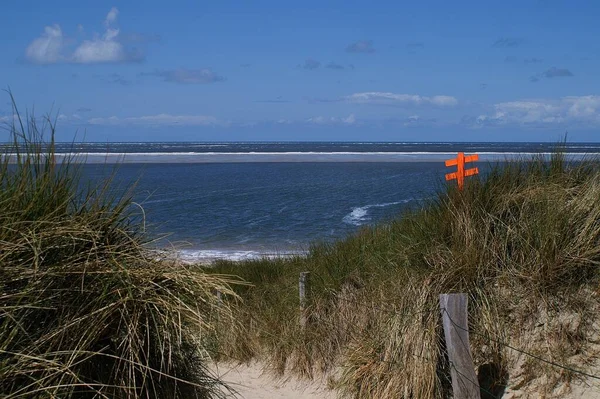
311	70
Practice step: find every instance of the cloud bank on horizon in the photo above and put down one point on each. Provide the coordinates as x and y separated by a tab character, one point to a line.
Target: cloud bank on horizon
321	72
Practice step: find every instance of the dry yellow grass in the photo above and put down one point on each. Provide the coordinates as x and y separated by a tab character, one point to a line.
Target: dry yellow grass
521	241
85	309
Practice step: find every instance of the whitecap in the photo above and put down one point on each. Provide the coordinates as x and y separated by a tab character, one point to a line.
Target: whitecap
359	214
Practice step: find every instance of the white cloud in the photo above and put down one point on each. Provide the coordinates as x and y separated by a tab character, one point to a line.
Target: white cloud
361	46
105	49
46	49
112	120
567	111
111	17
50	47
350	120
386	98
8	120
527	112
412	120
68	118
321	120
159	120
583	107
444	101
188	76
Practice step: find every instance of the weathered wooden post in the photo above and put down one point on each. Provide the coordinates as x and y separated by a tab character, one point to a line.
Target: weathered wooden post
456	333
303	288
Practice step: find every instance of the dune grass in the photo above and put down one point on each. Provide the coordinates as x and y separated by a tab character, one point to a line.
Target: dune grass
522	241
85	309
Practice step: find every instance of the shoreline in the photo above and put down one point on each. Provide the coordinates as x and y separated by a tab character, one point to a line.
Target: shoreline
208	257
294	157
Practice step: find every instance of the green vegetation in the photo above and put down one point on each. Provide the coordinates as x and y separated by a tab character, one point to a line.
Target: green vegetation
85	309
523	242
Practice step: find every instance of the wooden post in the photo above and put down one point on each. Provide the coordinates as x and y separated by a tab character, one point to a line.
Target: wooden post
456	332
219	298
303	288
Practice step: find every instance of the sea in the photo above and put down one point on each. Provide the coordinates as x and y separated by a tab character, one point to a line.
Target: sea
245	200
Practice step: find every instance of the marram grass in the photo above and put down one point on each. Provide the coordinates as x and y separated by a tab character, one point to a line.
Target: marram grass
86	310
523	241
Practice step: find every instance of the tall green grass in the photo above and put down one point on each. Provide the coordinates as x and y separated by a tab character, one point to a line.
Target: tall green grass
85	309
522	241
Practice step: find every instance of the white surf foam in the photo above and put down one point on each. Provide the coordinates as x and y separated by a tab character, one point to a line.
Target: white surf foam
211	157
191	256
359	215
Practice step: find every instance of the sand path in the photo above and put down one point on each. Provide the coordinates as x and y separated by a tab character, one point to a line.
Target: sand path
250	382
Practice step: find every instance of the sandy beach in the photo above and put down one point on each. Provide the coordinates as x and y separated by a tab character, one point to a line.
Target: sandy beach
251	382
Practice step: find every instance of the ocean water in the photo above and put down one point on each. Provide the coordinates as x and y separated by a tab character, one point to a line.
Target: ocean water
245	200
182	152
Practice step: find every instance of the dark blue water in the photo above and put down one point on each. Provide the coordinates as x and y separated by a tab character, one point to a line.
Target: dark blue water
322	147
235	209
250	208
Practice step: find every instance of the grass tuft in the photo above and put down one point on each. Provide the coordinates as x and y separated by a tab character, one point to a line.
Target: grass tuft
85	309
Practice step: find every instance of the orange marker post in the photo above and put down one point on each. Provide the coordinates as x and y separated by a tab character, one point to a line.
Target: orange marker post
461	173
